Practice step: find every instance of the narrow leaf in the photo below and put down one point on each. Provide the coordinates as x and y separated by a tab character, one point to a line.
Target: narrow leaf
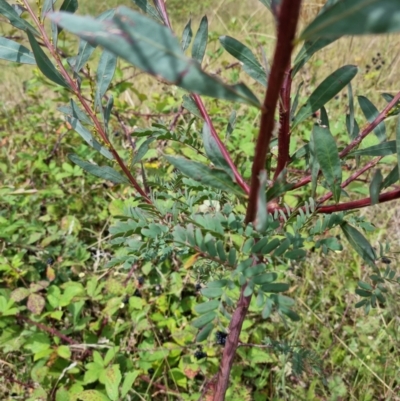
190	105
328	88
275	287
371	112
250	63
154	49
205	332
350	115
8	11
382	149
296	101
104	172
207	306
74	111
47	6
327	155
200	40
375	187
86	49
204	319
355	17
213	152
44	63
359	243
141	152
88	137
129	380
324	117
215	178
392	177
104	75
187	35
13	51
148	9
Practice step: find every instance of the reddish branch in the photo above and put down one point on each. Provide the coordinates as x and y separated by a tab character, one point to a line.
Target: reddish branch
284	121
287	23
367	130
358	204
50	330
75	89
221	146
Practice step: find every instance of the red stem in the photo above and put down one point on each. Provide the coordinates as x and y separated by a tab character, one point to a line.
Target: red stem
358	204
239	179
284	120
287	23
367	130
353	177
75	89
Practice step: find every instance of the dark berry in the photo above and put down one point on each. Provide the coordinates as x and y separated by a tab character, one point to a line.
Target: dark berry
378	67
200	355
137	294
336	97
221	337
126	300
383	61
386	260
378	54
140	280
150	371
49	261
197	287
367	66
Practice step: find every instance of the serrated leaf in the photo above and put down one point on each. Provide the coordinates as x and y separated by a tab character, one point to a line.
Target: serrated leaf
359	243
205	332
327	155
375	187
88	137
200	40
207	306
242	53
355	17
19	294
105	172
13	51
35	303
187	35
204	319
44	63
111	378
328	89
215	178
91	395
370	113
154	49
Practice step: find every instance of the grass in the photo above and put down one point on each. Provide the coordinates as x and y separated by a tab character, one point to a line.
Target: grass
361	353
